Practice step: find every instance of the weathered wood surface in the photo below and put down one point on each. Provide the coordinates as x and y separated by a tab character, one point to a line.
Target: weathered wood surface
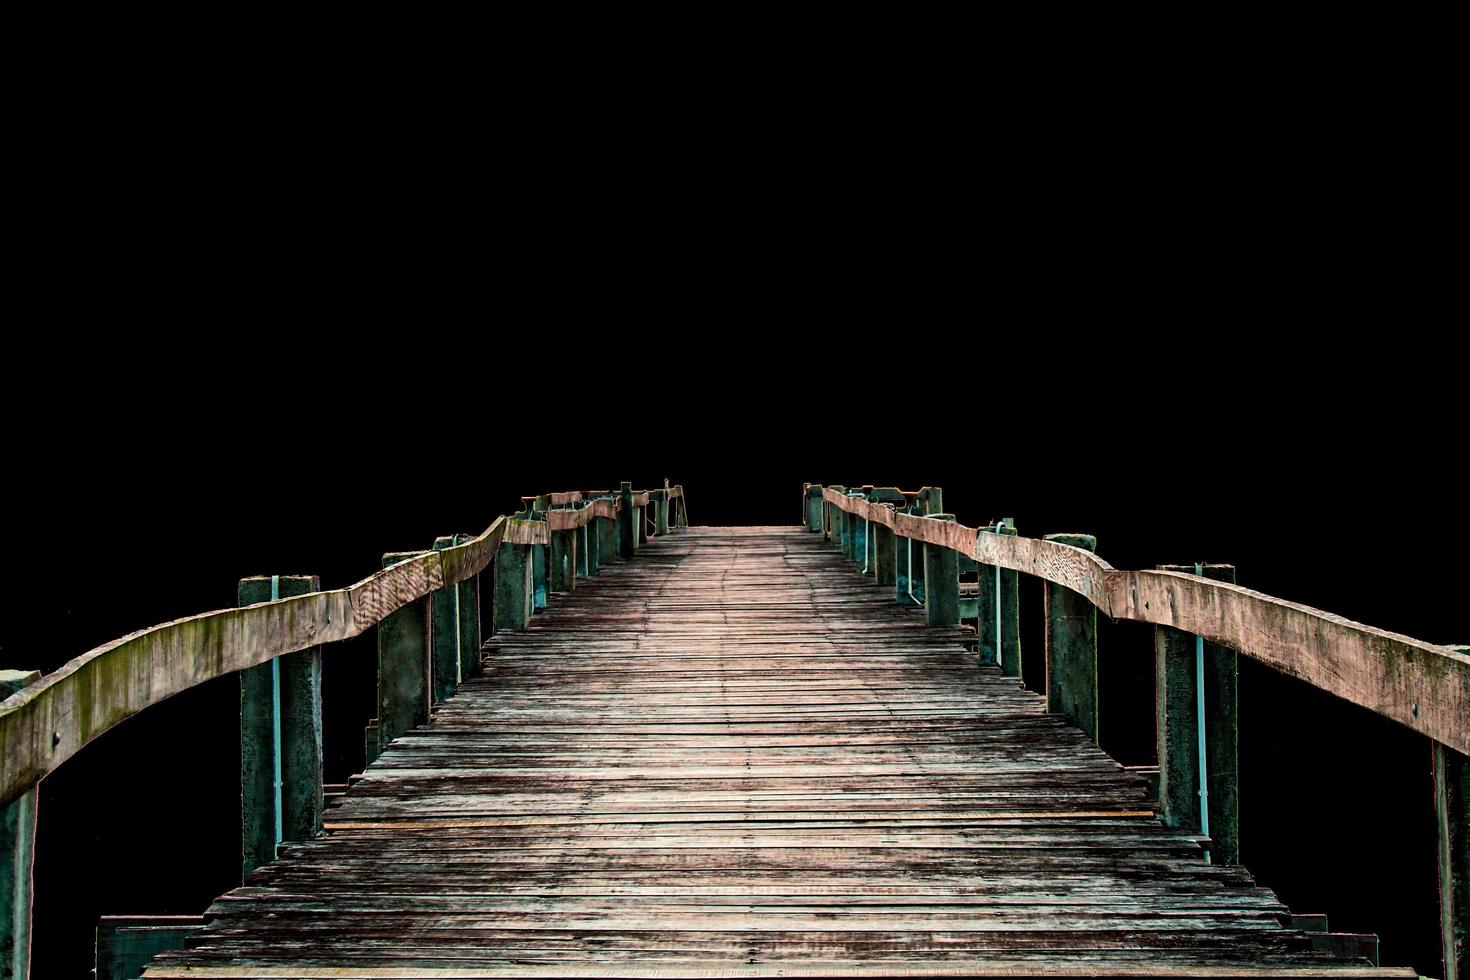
527	532
733	756
1421	685
565	520
49	722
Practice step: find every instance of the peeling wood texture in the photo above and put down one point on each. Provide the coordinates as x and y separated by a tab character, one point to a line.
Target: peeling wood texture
733	756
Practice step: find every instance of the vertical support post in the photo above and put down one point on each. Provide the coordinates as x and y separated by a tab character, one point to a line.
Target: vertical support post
1177	731
885	554
1010	611
682	519
590	549
607	536
17	855
903	563
404	666
941	582
564	560
660	501
628	519
812	506
931	501
858	531
1452	817
456	621
1071	648
514	590
298	718
837	522
540	559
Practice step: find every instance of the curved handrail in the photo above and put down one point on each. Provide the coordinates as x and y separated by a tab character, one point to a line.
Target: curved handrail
48	722
1423	686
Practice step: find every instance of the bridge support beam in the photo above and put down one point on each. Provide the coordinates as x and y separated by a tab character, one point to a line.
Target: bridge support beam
1452	817
1071	648
456	628
296	720
833	531
1010	613
862	541
1177	727
660	501
17	854
404	668
629	518
885	554
587	549
540	560
812	507
564	560
514	589
607	537
941	582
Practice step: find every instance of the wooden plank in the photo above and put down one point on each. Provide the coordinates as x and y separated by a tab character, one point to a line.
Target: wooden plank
49	722
731	756
467	559
1420	685
526	532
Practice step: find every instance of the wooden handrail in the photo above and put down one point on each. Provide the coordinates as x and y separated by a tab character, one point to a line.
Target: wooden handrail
45	724
1423	686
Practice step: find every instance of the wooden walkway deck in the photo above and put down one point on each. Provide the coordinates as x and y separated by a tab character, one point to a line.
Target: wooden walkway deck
734	757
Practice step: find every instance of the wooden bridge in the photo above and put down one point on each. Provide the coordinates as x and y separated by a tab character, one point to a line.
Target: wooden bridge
777	751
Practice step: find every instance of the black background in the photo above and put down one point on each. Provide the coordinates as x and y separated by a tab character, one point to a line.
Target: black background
283	326
1339	497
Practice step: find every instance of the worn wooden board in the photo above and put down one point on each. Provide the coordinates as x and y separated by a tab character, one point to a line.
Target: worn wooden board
1421	685
464	561
565	520
526	532
1418	684
49	722
734	756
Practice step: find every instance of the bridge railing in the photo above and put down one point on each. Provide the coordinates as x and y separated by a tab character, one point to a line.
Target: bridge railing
1202	620
425	606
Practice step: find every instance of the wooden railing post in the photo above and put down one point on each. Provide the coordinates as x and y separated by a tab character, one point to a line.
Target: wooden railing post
885	554
812	506
17	854
587	550
837	522
296	721
564	560
941	582
404	668
514	589
1010	611
863	539
682	518
456	621
607	535
540	563
1452	817
628	521
1177	728
660	501
908	566
1071	648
